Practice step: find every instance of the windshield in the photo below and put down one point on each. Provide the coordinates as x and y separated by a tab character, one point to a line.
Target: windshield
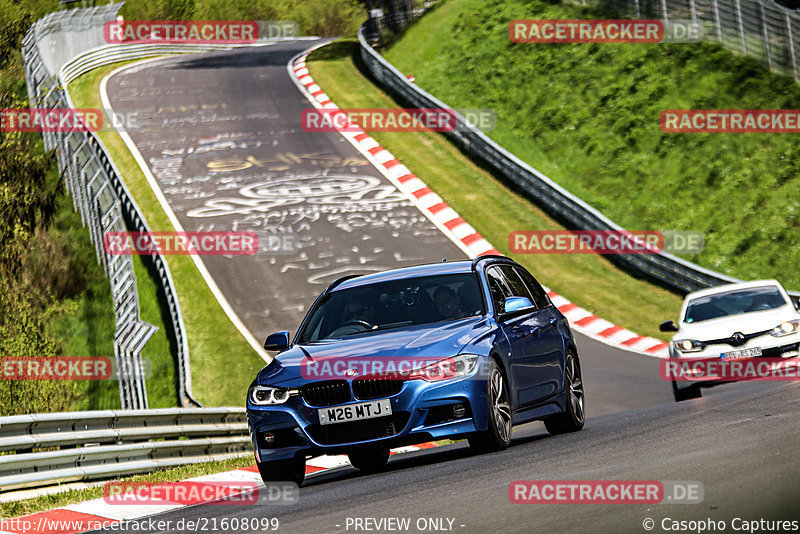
734	303
394	304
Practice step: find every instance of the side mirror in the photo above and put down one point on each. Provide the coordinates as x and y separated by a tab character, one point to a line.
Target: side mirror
668	326
513	304
277	341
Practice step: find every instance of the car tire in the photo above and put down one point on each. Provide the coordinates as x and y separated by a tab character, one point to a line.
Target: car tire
293	470
692	392
574	417
369	460
497	436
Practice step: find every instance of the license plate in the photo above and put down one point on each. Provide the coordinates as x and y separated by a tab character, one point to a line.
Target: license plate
742	354
355	412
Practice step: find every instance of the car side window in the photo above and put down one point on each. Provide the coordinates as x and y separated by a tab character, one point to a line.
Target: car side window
518	287
498	289
540	298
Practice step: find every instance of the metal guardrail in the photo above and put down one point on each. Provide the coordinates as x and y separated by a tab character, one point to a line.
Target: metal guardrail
57	49
98	194
62	35
764	30
107	55
103	444
667	269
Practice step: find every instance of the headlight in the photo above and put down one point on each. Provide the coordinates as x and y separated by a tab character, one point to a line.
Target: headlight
689	345
268	396
786	328
446	369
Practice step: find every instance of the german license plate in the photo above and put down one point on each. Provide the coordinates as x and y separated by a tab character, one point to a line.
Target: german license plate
355	412
742	354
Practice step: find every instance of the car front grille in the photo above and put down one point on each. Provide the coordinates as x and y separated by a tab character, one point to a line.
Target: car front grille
340	433
326	393
366	389
733	340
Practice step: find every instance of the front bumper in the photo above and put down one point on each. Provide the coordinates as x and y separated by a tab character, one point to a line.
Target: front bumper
775	350
421	411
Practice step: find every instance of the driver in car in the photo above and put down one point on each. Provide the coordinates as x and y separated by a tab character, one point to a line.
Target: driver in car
448	303
359	310
357	317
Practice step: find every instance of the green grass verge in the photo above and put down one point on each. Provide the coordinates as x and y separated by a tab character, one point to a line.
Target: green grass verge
587	116
223	363
494	209
85	324
174	474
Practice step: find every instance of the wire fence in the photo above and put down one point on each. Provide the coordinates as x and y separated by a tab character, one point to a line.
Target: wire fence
100	195
764	30
393	16
669	270
761	29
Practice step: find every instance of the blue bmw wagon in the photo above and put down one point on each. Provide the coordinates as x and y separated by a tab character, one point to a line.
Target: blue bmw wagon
463	349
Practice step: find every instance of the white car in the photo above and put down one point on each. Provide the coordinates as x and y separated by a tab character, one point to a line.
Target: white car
734	321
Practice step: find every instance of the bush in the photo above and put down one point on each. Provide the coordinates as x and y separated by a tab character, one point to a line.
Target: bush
314	17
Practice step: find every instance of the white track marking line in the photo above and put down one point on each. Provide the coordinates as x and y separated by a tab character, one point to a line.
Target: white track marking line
154	185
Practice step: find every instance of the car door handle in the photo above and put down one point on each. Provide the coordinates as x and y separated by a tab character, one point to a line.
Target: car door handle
526	332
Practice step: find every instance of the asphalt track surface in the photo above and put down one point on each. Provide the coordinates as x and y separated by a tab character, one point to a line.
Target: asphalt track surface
221	134
223	127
